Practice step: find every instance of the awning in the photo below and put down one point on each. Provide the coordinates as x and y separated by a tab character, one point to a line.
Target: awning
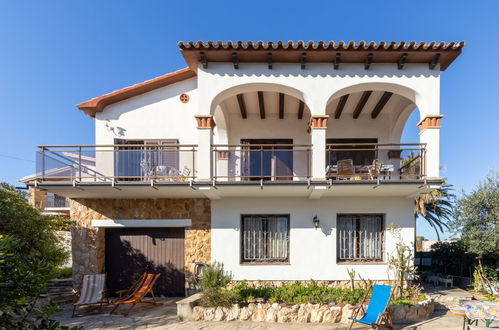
137	223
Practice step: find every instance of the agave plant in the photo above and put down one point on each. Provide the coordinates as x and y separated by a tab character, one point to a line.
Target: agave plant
436	208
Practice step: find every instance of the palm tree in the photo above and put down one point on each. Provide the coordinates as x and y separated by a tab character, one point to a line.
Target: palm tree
435	207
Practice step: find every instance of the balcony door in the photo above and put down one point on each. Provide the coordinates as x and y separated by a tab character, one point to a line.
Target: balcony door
267	159
360	154
143	158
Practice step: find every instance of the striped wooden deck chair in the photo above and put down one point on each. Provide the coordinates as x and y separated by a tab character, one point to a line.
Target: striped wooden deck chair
126	292
92	291
137	296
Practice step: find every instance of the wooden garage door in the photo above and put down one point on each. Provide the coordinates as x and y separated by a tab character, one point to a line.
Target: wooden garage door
132	251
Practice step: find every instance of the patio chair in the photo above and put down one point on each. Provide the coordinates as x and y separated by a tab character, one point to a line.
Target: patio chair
375	169
376	314
92	291
136	297
126	292
345	169
184	175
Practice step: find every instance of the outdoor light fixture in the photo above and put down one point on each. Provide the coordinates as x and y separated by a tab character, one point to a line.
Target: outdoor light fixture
316	222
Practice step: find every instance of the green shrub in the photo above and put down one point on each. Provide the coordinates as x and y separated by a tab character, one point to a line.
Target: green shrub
214	276
214	297
66	272
402	301
298	293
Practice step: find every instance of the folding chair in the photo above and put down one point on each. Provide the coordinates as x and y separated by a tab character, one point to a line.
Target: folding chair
376	314
136	297
91	292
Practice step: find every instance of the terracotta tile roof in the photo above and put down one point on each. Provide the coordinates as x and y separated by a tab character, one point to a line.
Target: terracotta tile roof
320	51
322	45
98	104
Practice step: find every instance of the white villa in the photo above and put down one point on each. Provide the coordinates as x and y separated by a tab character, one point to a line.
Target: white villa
282	160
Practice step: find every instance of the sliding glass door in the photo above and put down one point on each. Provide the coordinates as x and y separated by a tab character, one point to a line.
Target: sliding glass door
267	159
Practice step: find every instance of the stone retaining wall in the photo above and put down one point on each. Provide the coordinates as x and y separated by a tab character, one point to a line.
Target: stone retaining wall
88	243
304	313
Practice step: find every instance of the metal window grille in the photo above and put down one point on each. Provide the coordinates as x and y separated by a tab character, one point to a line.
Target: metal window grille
265	238
360	238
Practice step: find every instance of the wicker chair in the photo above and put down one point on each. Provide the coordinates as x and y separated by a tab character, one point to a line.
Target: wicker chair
345	168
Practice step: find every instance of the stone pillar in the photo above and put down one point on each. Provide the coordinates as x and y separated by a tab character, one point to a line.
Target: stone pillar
429	133
317	128
87	242
37	197
204	157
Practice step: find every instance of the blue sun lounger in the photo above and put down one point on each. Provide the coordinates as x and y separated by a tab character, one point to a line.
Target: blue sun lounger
376	314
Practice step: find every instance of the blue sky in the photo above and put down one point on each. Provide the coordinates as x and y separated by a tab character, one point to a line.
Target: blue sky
56	54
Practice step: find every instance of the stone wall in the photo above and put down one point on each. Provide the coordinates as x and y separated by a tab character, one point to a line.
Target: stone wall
304	313
37	197
88	243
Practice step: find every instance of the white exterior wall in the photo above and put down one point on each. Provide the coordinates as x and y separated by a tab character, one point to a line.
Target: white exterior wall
158	114
312	251
319	84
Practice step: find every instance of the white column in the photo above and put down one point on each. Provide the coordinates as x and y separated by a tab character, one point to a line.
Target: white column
430	135
318	126
205	131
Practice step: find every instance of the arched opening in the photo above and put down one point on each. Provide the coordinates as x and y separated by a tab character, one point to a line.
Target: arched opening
261	134
365	130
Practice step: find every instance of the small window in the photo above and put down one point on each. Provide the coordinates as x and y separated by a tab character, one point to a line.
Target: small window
265	238
360	238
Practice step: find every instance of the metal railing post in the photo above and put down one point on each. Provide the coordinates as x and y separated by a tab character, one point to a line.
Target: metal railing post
43	163
194	156
79	163
261	163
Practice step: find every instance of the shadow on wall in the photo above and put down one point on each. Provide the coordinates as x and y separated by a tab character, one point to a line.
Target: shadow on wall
125	264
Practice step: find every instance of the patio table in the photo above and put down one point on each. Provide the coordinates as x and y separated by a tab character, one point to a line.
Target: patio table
480	310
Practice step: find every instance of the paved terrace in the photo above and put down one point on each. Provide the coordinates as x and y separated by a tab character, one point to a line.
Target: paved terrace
164	317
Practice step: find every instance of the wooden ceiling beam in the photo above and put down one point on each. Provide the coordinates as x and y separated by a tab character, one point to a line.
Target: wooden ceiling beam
336	61
281	106
235	60
303	60
340	106
269	60
434	61
261	103
402	60
242	106
381	104
368	61
203	60
301	107
361	104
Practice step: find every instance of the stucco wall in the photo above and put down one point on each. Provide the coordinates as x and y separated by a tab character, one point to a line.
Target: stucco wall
312	251
88	242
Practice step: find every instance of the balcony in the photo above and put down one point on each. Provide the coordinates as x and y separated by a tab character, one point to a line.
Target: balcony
169	163
261	162
252	169
375	161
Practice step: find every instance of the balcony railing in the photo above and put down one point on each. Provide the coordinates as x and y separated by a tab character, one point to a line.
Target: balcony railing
376	161
172	163
121	162
269	162
54	201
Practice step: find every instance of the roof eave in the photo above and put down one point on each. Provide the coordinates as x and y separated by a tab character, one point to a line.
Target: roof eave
98	104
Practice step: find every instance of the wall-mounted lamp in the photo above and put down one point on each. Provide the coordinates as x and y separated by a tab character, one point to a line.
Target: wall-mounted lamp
317	222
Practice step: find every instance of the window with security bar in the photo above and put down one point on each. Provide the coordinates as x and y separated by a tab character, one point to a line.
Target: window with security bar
360	237
264	238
